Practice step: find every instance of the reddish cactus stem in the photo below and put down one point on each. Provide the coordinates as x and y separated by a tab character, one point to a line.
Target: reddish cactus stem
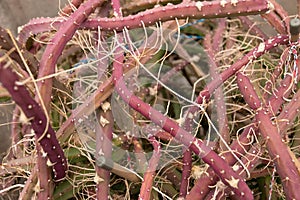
56	46
250	160
202	186
104	135
44	176
289	113
14	126
277	149
275	21
211	48
282	13
145	191
279	96
192	10
53	51
39	25
9	43
218	35
248	58
38	120
104	145
117	8
186	172
270	83
163	135
136	6
247	90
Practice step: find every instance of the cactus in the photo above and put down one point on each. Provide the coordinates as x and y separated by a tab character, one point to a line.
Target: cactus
116	117
278	151
39	123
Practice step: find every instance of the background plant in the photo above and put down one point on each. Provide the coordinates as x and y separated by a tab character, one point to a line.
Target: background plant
186	100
